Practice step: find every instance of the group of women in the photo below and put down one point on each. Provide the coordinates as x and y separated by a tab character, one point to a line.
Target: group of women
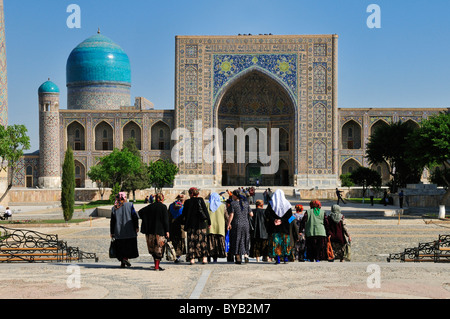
208	230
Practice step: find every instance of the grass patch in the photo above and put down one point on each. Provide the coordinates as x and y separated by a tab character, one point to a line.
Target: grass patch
366	200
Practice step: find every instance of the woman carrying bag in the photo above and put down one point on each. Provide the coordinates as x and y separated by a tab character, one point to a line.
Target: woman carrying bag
338	234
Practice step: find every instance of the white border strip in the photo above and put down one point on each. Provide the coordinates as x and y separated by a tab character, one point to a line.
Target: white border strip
200	284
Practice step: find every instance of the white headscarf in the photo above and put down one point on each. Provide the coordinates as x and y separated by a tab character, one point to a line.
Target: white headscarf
279	203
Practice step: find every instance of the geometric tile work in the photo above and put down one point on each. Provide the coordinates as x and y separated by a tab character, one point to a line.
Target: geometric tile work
3	76
320	78
283	66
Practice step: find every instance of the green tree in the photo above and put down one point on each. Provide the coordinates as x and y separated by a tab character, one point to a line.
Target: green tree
99	176
366	177
346	181
161	173
68	185
137	179
389	144
430	146
13	141
118	167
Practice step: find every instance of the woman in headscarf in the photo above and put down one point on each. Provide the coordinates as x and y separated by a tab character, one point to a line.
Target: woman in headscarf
196	220
313	225
238	224
299	246
124	227
216	233
338	232
155	226
259	236
176	229
279	214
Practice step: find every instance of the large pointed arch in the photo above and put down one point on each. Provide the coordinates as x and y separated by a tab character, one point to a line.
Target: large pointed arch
264	103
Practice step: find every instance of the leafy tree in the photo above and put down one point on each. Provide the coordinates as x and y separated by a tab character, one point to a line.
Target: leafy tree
13	141
118	167
431	147
366	177
68	185
346	181
139	178
99	176
114	191
389	144
161	173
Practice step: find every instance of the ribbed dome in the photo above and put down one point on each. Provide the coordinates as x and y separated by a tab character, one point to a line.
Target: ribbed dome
98	59
48	87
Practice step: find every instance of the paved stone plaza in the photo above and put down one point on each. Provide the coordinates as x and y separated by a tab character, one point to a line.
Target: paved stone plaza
374	237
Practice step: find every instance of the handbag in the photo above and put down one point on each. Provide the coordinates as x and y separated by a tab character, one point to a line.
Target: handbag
112	249
348	251
227	241
170	251
330	252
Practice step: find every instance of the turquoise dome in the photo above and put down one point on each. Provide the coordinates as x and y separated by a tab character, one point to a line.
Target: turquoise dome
98	59
48	87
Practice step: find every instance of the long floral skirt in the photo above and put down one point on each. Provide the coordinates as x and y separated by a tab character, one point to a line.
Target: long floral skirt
155	245
179	244
338	249
197	244
259	247
216	246
281	245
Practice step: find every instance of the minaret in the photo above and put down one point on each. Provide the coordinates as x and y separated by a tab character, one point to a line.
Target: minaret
3	77
3	93
49	155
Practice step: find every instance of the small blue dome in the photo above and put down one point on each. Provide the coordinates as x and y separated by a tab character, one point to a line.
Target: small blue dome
48	87
98	59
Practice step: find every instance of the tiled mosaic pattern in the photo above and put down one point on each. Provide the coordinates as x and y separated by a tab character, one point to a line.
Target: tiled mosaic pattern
95	96
302	66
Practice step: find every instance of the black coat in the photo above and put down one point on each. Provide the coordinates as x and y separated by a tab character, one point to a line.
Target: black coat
259	224
284	227
195	214
155	219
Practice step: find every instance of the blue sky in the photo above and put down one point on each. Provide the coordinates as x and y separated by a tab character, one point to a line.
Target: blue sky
405	63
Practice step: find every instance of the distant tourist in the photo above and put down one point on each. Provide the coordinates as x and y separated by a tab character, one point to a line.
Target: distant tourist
385	198
339	196
400	198
371	195
124	227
